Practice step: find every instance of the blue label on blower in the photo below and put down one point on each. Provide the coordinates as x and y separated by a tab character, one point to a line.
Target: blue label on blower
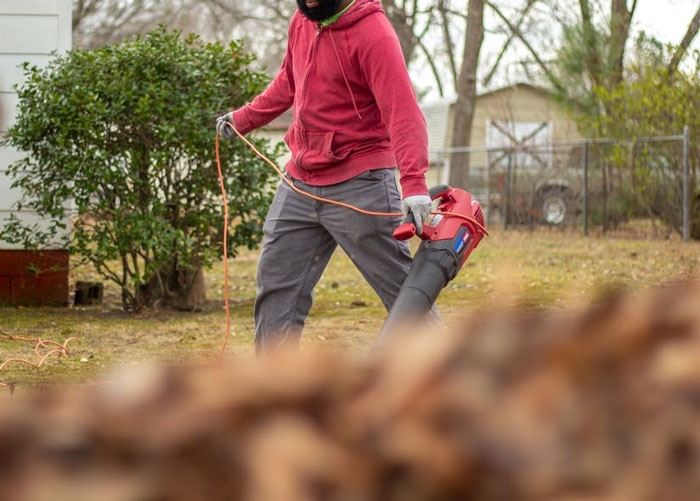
462	240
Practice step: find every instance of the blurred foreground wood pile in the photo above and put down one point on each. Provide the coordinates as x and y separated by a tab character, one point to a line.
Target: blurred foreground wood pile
603	404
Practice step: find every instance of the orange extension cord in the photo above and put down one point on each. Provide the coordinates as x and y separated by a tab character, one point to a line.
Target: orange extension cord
62	349
301	192
59	350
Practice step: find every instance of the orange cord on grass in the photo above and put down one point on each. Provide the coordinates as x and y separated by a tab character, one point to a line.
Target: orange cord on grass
60	350
306	194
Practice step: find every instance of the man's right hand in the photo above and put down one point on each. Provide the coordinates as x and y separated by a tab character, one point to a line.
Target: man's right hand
224	130
419	206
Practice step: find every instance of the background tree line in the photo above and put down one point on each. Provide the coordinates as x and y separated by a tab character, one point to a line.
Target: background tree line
143	205
574	48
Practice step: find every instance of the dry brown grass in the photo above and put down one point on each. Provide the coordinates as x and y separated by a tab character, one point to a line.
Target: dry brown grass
541	271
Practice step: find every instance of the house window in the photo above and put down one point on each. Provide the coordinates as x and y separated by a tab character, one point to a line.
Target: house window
531	142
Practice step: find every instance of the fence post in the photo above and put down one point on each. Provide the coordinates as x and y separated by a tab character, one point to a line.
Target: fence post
489	195
447	164
686	183
506	203
585	189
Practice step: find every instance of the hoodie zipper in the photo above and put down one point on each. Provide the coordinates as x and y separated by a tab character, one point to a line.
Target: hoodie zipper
303	94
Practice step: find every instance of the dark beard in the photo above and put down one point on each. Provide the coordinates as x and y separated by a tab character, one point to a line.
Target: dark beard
325	9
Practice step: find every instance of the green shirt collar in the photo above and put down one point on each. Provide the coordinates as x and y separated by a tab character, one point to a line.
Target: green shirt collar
334	18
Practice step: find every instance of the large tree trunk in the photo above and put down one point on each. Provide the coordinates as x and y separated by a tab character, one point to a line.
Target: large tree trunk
685	43
466	92
620	19
175	287
592	57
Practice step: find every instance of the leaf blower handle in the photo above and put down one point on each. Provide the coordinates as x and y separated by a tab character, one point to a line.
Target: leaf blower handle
438	191
407	228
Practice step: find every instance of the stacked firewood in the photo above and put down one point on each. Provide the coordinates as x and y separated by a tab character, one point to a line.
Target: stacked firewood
601	404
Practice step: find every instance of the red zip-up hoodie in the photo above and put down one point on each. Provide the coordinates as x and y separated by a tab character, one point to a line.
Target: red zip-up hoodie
354	105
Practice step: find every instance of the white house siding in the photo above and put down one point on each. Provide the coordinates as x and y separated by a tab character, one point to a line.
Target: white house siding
436	118
30	30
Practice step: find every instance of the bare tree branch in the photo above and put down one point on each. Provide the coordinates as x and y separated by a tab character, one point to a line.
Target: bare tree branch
433	68
690	34
466	92
456	13
262	24
447	37
487	80
550	76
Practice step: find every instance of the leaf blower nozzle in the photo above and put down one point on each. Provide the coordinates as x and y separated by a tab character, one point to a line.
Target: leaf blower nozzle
448	240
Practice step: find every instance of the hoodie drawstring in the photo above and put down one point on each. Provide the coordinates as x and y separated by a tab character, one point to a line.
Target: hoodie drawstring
342	71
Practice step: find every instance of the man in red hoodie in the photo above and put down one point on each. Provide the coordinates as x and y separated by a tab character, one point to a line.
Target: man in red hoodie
356	119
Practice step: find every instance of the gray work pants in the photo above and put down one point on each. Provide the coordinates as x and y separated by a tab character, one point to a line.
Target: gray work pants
300	235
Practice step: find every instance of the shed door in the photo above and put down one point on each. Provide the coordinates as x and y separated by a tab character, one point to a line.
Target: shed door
531	142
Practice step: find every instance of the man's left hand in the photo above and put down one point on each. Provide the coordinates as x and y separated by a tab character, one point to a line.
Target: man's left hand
419	206
223	129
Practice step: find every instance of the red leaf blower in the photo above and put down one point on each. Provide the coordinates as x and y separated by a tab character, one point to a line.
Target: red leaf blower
451	236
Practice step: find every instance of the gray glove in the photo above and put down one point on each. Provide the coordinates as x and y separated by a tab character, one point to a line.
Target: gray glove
419	206
224	130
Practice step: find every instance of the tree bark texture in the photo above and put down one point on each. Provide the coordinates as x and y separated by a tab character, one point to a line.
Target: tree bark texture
466	92
591	50
620	19
174	287
685	43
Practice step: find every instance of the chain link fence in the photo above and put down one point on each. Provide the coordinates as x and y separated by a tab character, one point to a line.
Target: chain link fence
643	186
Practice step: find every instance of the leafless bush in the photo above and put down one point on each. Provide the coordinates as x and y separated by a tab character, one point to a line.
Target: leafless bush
262	24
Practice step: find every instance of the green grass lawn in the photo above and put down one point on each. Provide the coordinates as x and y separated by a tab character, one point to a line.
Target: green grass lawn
544	270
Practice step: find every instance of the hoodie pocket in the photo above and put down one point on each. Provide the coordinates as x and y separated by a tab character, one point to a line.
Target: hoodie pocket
317	149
